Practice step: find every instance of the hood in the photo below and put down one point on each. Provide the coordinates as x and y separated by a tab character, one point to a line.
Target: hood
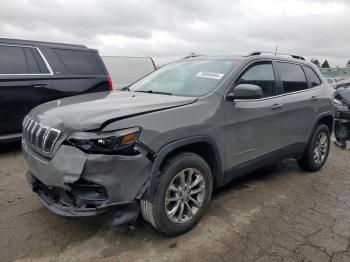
91	111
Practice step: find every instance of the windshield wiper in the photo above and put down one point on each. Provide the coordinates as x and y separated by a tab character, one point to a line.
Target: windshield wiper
125	88
153	92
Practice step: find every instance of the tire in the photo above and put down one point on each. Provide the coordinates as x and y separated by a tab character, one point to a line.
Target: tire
340	133
160	213
311	160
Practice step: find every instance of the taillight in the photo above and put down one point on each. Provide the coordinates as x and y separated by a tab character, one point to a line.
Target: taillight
110	84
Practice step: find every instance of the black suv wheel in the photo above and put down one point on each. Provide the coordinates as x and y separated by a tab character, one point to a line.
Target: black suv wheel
317	151
182	196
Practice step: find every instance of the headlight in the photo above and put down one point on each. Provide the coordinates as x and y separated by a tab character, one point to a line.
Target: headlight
121	141
337	102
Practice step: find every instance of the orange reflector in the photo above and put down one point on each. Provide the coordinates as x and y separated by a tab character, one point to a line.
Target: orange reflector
129	138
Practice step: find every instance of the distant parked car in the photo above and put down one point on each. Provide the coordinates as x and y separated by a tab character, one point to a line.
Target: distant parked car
32	73
342	121
338	79
343	83
126	70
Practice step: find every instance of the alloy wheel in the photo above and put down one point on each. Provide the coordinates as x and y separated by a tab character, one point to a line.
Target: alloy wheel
321	148
185	195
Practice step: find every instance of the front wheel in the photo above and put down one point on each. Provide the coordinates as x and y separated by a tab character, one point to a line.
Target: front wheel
316	153
182	195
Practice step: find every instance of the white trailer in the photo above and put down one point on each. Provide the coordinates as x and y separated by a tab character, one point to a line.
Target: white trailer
126	70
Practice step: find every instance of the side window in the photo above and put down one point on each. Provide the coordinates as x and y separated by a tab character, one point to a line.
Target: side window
33	67
12	60
312	76
40	61
261	75
292	77
21	60
81	62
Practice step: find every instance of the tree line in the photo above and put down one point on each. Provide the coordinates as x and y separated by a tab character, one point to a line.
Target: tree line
325	64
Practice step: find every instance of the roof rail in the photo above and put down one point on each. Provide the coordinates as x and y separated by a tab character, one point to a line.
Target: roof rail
191	55
33	42
275	53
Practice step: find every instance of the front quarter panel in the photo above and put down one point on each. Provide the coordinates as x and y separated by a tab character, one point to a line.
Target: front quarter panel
203	118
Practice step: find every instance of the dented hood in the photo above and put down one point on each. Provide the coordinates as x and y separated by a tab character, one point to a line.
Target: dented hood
91	111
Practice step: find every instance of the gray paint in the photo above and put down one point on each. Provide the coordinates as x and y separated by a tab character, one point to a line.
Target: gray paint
241	130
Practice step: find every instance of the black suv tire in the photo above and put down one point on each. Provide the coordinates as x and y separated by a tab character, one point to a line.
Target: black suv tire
309	160
157	211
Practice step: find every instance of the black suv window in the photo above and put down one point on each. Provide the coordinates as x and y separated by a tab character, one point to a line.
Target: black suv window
12	60
261	75
20	60
312	76
81	62
292	77
33	67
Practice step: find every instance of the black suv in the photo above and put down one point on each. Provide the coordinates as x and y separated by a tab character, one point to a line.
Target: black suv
32	73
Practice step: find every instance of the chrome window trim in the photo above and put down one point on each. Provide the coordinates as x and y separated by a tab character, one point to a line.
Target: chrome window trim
11	136
277	96
40	54
270	97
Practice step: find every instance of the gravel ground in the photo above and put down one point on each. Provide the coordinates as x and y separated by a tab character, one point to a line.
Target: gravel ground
276	214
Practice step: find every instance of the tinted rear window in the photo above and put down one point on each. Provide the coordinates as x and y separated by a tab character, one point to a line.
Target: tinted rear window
312	76
20	60
81	62
12	60
33	67
292	77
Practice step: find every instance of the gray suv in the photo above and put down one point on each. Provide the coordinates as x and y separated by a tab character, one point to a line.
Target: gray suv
160	146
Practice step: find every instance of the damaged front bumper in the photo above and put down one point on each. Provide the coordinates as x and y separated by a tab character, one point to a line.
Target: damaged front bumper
75	184
64	203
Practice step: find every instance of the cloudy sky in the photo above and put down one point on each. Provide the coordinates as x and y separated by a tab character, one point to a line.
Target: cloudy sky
174	28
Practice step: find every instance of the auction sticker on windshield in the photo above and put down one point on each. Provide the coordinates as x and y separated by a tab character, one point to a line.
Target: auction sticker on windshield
211	75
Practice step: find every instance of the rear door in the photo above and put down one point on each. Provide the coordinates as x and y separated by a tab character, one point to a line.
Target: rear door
24	83
299	104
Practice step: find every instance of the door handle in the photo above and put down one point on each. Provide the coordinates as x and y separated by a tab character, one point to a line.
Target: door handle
314	99
38	85
276	106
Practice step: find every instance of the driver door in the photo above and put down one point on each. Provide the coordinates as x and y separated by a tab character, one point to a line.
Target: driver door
253	125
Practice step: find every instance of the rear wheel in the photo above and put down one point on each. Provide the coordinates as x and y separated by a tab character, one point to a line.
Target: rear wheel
182	196
317	151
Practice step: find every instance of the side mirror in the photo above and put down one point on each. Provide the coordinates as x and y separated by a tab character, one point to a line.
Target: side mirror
245	91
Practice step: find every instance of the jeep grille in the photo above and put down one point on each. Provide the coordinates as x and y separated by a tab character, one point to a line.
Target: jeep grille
40	137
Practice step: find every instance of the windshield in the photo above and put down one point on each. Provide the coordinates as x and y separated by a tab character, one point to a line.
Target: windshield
186	78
